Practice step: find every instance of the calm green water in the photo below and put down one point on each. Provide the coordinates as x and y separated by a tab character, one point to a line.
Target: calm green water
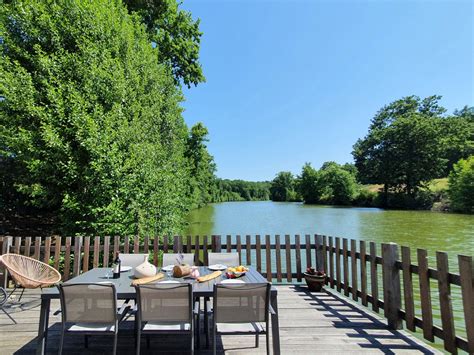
453	233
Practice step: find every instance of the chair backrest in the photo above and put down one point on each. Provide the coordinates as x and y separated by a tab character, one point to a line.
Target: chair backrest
167	303
170	258
132	260
241	303
88	303
228	259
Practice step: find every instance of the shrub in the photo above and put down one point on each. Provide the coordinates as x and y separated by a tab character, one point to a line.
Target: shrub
461	185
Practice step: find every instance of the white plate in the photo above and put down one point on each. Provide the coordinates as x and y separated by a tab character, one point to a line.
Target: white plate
125	268
232	281
167	268
217	267
105	282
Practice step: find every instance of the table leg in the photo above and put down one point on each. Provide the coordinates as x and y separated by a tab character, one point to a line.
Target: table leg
275	325
43	326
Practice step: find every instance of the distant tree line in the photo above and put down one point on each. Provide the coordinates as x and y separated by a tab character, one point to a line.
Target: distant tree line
410	142
240	190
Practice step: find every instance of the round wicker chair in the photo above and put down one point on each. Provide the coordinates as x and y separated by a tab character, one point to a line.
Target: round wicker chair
28	272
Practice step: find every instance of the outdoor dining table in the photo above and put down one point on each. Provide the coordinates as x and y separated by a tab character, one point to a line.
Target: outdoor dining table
125	291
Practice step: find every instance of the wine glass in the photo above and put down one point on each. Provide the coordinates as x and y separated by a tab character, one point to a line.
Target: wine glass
169	272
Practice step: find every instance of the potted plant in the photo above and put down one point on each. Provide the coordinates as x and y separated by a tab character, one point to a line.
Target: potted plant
315	279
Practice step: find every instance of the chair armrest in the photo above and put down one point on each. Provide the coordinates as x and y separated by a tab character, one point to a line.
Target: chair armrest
196	307
271	310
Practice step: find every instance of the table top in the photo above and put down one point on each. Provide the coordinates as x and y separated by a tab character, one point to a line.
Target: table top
125	290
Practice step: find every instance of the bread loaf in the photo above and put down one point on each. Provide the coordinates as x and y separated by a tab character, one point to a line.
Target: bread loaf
181	270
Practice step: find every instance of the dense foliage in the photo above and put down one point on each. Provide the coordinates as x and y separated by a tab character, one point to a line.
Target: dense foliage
411	142
175	33
202	167
283	187
461	185
332	184
90	116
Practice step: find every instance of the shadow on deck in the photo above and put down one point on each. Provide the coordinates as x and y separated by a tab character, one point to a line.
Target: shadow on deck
310	323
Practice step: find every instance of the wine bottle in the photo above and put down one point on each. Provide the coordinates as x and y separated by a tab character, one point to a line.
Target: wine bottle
117	266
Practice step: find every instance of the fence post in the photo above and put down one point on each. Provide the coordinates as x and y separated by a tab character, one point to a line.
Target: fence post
6	244
176	244
320	253
218	244
391	285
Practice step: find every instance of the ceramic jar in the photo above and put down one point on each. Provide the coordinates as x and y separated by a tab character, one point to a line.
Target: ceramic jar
145	269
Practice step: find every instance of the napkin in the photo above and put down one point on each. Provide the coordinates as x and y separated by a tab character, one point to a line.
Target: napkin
209	276
146	280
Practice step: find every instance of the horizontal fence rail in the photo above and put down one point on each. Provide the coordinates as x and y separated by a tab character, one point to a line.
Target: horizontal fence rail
388	282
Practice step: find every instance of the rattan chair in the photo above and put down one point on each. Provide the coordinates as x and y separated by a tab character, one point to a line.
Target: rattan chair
29	273
241	309
90	309
228	259
165	308
170	259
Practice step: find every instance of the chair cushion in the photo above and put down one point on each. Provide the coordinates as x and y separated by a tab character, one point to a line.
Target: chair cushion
240	328
156	326
91	327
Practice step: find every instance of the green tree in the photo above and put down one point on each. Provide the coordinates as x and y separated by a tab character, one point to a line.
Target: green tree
332	184
202	166
338	186
90	118
456	139
307	184
402	150
175	34
283	187
461	185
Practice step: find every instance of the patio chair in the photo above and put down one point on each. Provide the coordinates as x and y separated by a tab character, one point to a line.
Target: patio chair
29	273
3	299
132	260
170	258
90	309
229	259
241	309
165	308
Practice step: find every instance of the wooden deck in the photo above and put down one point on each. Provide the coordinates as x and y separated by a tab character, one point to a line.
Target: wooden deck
310	323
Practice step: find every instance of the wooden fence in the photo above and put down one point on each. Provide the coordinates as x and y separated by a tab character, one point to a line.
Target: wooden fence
352	267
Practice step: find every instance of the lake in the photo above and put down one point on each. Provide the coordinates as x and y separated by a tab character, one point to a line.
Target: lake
434	231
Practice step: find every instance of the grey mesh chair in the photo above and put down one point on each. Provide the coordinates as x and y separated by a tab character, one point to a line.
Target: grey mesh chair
132	260
165	308
170	258
241	309
90	309
228	259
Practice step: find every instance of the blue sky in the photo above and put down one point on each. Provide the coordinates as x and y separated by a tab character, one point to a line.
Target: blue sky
290	82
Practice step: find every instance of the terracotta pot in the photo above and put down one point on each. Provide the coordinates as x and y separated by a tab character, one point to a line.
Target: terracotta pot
315	282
